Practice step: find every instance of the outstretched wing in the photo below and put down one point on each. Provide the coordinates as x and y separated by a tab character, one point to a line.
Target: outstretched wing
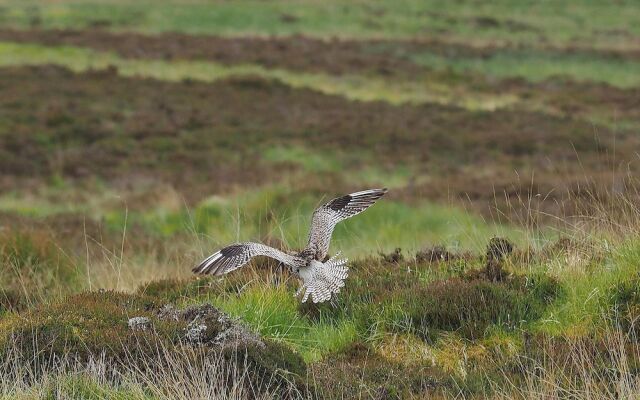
236	255
327	216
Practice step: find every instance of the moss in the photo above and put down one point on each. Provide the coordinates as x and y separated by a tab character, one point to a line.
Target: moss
85	326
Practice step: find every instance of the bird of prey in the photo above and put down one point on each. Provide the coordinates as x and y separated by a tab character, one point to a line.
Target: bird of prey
320	279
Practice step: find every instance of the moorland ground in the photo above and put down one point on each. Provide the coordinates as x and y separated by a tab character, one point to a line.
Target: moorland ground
136	138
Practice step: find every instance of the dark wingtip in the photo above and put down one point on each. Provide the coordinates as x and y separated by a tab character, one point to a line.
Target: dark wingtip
201	269
197	269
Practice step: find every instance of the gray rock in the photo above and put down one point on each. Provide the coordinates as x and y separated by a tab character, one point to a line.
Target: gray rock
206	325
139	323
196	332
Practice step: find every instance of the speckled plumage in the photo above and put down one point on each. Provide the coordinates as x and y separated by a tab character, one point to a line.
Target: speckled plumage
320	279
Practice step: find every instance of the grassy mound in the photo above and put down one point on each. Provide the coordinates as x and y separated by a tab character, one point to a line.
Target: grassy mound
96	325
471	306
430	295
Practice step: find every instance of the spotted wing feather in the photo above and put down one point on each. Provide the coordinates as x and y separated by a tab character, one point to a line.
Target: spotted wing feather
327	216
236	255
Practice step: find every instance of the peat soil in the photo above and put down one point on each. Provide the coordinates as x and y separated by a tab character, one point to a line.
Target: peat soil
202	137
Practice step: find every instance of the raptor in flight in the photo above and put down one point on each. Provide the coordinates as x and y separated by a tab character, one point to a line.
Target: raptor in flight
319	279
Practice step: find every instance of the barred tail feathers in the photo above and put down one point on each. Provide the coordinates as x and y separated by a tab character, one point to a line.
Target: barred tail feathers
326	279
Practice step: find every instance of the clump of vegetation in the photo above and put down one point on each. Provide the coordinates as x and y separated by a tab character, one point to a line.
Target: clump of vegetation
438	254
625	297
33	268
471	306
498	248
359	370
86	325
394	257
454	294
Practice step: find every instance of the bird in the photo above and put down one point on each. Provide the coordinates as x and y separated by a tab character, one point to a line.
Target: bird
321	277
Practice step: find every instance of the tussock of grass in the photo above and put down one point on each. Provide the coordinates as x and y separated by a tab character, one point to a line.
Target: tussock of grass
182	379
590	280
33	268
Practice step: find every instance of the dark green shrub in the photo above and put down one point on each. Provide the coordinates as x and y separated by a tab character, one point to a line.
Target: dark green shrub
470	306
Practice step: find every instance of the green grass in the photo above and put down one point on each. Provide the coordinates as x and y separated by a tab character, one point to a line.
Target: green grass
355	168
76	387
89	388
587	22
284	214
309	160
277	211
535	66
589	281
273	312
